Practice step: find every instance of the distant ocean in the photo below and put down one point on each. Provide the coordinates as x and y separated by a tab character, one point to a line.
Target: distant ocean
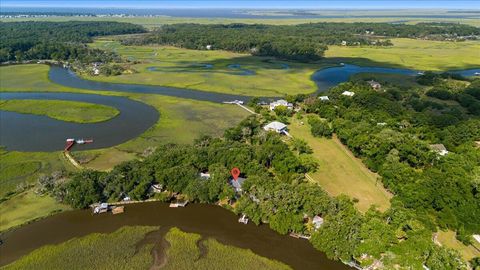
228	13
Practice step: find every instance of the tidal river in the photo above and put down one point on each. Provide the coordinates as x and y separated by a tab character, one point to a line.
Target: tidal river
207	220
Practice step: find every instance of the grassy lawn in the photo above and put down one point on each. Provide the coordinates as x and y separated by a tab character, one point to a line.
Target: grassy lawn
24	167
117	250
414	54
26	207
340	172
69	111
210	70
447	238
190	251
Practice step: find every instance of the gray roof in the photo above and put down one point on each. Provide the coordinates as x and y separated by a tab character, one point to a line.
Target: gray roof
438	147
237	184
275	125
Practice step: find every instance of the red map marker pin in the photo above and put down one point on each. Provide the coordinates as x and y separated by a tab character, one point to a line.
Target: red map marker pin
235	173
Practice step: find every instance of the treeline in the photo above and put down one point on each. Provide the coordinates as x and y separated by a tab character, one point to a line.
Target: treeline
63	41
275	192
304	42
392	132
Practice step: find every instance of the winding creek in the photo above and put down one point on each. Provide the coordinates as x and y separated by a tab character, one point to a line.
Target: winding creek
28	132
39	133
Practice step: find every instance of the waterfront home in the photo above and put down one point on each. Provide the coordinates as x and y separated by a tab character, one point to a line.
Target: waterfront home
348	93
317	222
324	98
281	102
439	149
237	183
276	126
375	85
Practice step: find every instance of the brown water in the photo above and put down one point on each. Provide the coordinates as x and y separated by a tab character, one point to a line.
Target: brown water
207	220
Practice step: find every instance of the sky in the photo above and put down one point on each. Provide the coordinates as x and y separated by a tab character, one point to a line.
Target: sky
249	4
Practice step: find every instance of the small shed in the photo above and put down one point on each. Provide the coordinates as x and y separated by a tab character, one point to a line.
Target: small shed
276	126
439	149
348	93
323	98
205	175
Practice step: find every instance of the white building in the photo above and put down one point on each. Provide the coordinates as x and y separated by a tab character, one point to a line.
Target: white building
276	126
476	237
205	175
439	149
348	93
280	102
209	47
324	98
375	85
317	222
344	43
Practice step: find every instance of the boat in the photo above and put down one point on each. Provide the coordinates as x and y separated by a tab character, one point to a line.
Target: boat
118	210
243	219
240	102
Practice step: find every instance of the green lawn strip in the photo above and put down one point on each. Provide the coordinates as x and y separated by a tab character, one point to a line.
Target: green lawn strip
184	253
23	168
447	238
340	172
413	54
182	68
26	207
69	111
116	250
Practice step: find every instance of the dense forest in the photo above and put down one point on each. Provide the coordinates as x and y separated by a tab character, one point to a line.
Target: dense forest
390	130
63	41
304	42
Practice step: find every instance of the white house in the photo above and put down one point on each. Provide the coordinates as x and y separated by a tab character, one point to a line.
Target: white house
209	47
281	102
276	126
439	149
375	85
344	43
324	98
317	222
348	93
96	71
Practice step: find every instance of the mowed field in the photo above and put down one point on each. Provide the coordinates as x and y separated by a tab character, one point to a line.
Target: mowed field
213	71
448	239
413	54
340	172
143	248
